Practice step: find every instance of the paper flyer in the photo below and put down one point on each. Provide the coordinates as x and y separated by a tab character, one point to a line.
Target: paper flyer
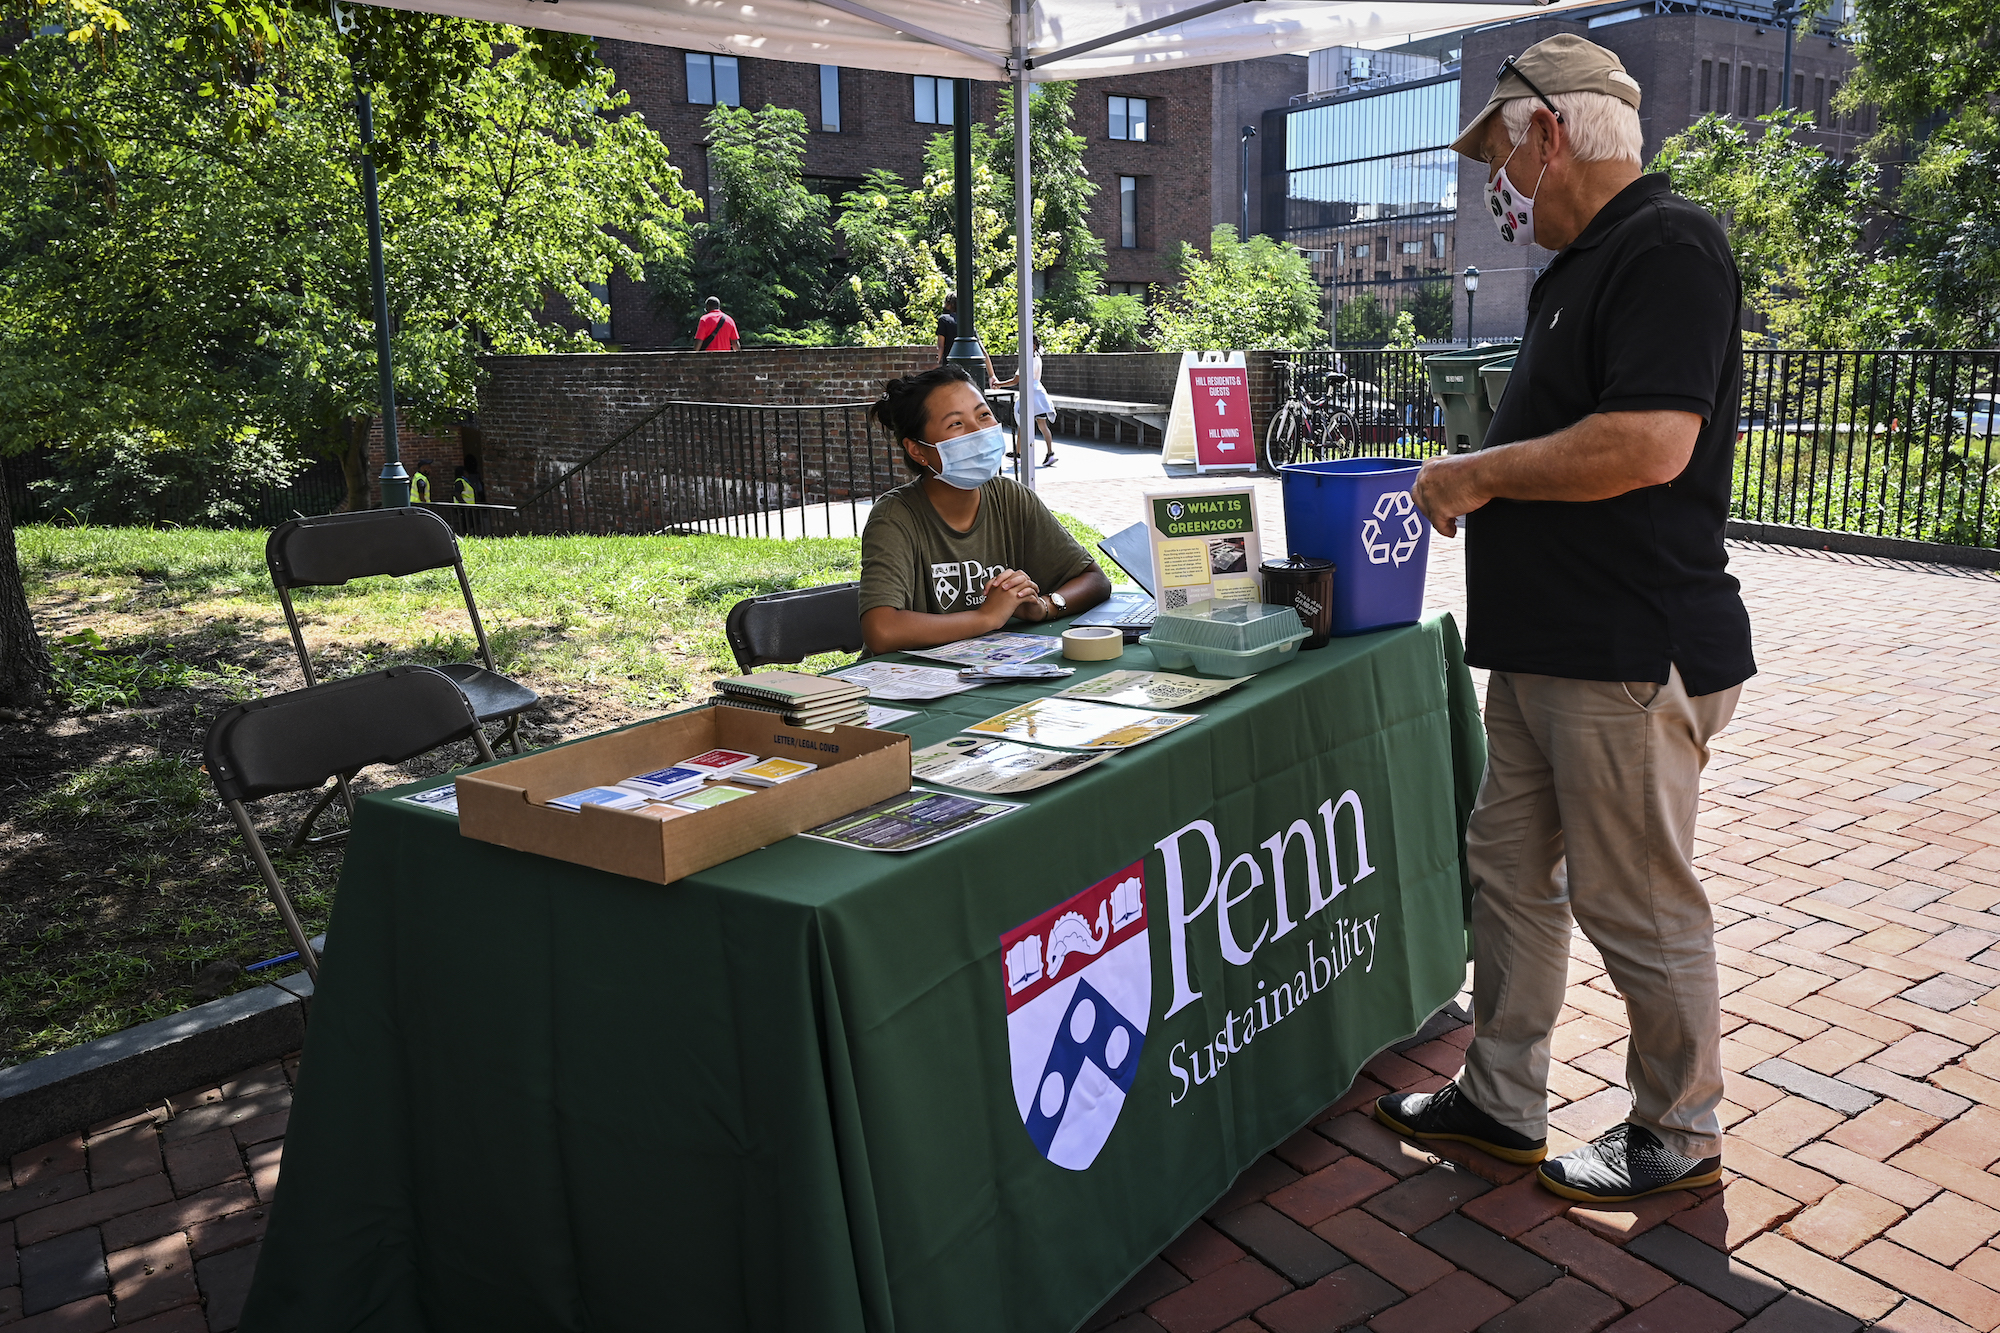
1205	544
900	680
1076	724
971	764
917	818
882	717
992	649
1148	689
443	799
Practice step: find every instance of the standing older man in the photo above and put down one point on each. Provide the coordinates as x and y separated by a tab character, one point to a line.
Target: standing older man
1599	598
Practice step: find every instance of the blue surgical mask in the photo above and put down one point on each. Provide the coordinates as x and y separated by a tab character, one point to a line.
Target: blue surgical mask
971	460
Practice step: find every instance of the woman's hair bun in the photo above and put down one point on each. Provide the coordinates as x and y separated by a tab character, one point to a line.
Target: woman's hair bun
900	409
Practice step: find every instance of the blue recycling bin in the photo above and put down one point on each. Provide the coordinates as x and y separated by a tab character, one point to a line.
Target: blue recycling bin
1357	512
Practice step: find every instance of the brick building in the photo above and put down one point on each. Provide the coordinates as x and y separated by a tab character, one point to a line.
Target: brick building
1363	173
1164	148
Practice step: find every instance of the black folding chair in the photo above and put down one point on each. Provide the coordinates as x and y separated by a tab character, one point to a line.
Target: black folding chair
329	551
296	741
787	627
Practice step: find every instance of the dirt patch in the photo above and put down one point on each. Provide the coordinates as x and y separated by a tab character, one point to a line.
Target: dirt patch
122	879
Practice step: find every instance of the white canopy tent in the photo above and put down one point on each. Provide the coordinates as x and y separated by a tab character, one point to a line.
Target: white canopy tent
1020	41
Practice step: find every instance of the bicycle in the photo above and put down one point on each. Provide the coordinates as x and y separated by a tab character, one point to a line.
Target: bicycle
1307	425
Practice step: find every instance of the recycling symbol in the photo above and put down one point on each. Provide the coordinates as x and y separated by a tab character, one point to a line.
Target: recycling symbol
1387	548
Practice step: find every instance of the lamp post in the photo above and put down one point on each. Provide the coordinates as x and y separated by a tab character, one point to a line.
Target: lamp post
395	481
1471	290
966	352
1787	12
1249	133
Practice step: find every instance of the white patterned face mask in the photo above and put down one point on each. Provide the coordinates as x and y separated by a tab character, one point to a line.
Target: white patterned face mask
1513	211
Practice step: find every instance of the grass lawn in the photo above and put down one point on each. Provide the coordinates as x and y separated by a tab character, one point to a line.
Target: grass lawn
122	880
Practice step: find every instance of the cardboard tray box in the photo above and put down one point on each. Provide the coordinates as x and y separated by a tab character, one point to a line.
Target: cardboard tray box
504	803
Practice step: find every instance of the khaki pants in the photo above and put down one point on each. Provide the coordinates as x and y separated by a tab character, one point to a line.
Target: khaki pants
1587	809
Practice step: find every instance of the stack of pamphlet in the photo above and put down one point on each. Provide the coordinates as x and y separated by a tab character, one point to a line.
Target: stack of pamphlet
801	700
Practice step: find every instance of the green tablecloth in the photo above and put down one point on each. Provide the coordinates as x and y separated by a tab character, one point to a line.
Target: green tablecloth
779	1094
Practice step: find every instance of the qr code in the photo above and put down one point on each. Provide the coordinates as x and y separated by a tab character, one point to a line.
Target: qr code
1173	599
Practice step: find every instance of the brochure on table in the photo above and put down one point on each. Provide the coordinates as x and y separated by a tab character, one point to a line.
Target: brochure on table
902	680
1205	545
1075	724
443	799
973	764
917	818
1148	689
1209	424
992	650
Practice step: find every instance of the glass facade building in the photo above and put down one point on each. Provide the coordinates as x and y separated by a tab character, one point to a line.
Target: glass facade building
1371	194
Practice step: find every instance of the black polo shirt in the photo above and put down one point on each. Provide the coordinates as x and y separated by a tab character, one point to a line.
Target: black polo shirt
1639	314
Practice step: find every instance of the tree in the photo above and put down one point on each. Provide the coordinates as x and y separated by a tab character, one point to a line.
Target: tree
900	245
1899	245
128	323
1430	307
765	251
1361	321
1258	293
896	238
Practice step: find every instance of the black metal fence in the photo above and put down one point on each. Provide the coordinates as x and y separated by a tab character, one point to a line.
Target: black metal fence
1885	443
727	468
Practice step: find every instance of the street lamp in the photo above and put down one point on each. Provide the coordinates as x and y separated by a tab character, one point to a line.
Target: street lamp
1787	12
1249	133
1471	289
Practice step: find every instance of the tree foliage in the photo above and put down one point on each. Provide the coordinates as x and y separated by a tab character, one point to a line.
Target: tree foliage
765	250
1258	293
900	246
1898	245
226	297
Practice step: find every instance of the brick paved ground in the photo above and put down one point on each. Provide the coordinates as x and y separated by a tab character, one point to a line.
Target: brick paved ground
1851	842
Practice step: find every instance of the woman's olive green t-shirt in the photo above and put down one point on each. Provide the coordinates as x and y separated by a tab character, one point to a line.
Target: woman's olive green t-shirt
913	561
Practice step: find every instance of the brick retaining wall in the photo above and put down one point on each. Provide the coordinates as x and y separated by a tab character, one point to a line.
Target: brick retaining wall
539	415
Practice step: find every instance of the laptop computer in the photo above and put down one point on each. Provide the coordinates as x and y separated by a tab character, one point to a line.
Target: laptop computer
1132	551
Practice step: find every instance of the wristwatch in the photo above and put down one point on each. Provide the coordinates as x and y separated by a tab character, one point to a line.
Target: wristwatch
1061	605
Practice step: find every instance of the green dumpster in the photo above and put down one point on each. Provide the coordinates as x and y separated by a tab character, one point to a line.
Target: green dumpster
1493	378
1456	381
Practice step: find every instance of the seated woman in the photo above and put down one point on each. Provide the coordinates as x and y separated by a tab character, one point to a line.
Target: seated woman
961	550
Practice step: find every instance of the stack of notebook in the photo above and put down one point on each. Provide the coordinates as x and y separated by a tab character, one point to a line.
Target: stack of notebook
801	700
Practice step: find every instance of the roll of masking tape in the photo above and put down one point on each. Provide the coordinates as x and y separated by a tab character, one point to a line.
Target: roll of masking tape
1093	643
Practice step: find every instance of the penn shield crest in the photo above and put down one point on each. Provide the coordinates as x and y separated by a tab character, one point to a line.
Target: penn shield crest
1078	984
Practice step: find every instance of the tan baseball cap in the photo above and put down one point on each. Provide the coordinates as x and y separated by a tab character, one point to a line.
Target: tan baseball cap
1564	63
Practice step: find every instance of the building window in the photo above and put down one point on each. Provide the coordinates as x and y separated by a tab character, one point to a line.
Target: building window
1141	290
829	99
1707	83
1819	103
1361	251
1722	88
1128	118
1413	247
933	100
1437	245
1128	212
601	329
712	80
1798	92
1763	91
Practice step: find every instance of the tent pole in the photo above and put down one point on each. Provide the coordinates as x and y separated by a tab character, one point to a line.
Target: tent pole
1024	257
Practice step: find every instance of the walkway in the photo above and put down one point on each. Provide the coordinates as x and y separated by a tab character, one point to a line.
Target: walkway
1851	842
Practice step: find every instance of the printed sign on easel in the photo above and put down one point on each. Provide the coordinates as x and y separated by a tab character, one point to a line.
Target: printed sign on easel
1209	425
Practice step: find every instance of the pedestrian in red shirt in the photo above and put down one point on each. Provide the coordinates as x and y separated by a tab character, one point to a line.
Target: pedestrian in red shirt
717	331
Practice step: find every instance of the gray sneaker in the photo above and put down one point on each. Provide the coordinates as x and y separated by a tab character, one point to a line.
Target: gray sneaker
1627	1162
